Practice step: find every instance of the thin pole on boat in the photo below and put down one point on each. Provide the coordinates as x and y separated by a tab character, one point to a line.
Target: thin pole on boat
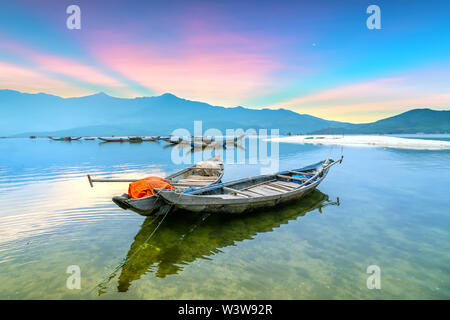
91	180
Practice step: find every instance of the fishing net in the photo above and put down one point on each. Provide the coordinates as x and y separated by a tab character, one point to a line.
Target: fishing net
144	187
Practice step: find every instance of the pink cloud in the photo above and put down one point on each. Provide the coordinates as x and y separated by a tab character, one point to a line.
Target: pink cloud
374	99
202	67
55	66
74	69
22	79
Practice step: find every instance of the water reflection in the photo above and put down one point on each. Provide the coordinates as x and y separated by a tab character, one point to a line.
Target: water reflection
184	237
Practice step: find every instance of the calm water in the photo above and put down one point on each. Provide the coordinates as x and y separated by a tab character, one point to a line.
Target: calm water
382	206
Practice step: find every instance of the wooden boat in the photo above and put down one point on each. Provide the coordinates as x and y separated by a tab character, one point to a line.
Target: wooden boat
172	140
135	139
251	193
202	174
114	139
66	138
235	139
89	138
194	140
201	139
150	138
228	142
193	144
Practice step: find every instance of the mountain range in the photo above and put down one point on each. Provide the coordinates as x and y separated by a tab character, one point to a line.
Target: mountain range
42	114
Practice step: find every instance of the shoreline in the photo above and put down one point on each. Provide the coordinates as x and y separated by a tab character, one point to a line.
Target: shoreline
367	140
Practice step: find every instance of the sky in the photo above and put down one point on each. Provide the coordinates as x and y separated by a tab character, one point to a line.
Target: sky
312	57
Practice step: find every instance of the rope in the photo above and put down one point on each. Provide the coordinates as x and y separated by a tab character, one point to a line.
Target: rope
165	211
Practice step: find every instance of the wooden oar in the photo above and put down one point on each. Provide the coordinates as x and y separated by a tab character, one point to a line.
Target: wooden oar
108	180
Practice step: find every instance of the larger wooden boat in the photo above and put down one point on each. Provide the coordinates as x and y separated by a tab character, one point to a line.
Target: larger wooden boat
134	139
251	193
201	174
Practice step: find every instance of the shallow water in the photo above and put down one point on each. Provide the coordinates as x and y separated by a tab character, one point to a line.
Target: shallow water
381	206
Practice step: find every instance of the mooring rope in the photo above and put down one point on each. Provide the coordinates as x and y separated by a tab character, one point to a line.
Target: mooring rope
164	211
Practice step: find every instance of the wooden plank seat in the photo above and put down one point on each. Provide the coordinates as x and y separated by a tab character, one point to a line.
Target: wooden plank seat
239	192
288	184
282	187
264	191
227	196
195	177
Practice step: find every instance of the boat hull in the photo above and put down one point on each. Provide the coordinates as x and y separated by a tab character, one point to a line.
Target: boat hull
231	206
143	206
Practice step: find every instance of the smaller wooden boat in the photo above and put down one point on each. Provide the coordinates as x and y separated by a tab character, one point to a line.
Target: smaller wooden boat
235	139
250	194
135	139
201	174
188	140
201	139
229	142
32	137
114	139
172	140
155	138
65	138
193	144
89	138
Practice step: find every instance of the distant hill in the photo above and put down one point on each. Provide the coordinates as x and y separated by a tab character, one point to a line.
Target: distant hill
100	114
24	114
413	121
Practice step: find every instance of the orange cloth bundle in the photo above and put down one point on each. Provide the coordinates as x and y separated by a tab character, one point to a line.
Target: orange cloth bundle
144	187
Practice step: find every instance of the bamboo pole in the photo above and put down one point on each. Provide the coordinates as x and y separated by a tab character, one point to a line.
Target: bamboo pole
91	180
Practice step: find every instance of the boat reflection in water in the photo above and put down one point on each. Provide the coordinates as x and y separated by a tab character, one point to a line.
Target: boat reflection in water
184	237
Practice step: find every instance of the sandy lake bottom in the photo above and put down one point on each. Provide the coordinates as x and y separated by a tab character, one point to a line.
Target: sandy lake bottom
382	206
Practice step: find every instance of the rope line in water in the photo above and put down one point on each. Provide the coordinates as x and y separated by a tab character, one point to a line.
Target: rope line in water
164	210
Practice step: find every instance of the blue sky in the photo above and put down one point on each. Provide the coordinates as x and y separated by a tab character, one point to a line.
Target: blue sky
315	57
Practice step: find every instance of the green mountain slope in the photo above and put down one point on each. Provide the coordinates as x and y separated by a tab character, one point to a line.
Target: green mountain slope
413	121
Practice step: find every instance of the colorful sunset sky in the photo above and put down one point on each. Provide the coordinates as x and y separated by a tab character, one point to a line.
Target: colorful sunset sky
313	57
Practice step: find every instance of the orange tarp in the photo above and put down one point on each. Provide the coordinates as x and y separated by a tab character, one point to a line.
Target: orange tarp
144	187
